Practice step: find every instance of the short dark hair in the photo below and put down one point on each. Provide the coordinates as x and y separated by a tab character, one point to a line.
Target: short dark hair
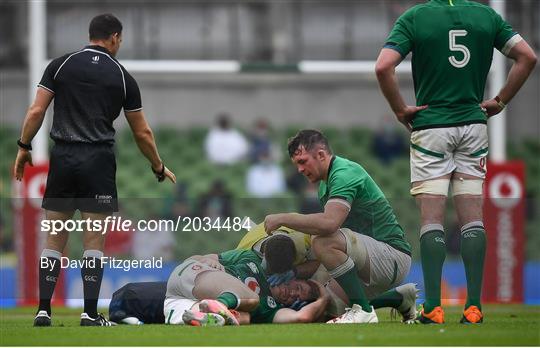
279	252
309	139
103	26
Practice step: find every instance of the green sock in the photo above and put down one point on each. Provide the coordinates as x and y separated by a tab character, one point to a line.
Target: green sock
433	253
473	251
228	299
351	284
390	298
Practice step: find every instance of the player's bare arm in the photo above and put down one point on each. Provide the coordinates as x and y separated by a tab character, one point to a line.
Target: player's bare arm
324	223
144	137
524	62
385	70
308	314
306	269
32	123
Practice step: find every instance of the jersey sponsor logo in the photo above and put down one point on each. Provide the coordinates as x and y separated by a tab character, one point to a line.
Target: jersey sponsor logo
253	284
271	302
95	60
196	267
253	267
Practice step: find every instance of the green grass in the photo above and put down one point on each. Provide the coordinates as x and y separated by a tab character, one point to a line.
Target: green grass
515	325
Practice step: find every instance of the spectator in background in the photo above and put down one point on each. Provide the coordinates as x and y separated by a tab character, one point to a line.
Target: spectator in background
388	142
309	201
225	145
265	178
260	142
295	181
180	203
217	202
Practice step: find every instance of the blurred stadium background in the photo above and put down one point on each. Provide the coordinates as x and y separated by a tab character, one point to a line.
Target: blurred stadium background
273	67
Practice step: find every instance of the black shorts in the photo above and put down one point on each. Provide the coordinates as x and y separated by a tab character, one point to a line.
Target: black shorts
81	176
140	300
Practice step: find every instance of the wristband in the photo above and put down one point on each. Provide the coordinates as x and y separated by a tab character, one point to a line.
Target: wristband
501	104
160	175
27	147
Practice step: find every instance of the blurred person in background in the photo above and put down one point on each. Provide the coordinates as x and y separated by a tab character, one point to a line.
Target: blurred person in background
217	202
452	45
388	142
225	145
260	142
309	200
89	88
265	178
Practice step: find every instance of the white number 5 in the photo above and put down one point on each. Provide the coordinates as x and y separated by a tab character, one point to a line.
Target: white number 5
452	34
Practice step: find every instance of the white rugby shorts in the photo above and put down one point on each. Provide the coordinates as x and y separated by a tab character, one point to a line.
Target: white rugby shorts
436	152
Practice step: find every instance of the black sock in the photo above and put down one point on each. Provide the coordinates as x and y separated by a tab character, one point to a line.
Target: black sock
49	269
92	274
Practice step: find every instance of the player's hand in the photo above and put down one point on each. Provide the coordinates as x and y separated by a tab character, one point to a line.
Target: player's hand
490	107
280	278
212	263
23	157
322	290
406	116
163	172
272	222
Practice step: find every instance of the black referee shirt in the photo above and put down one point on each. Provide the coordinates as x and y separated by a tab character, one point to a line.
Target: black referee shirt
90	89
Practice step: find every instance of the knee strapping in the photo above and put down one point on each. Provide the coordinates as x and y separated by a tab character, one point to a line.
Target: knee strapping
433	187
467	187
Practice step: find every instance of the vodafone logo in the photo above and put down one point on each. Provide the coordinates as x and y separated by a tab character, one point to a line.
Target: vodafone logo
253	284
505	190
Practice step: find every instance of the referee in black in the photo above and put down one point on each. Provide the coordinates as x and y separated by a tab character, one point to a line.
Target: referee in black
89	88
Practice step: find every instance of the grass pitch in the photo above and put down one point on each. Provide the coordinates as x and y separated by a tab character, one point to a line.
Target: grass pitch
515	325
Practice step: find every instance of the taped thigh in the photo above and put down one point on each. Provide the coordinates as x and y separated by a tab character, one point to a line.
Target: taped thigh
432	187
467	187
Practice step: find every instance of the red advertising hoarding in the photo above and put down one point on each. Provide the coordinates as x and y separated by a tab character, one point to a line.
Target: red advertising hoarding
29	239
504	213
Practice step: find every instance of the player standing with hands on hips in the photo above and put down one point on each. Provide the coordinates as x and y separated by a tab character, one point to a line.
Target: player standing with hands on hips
452	45
89	88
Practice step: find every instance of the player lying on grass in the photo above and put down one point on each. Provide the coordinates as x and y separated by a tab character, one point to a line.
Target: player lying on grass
380	291
231	288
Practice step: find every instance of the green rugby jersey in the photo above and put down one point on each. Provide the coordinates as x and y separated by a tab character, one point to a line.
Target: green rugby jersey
371	213
452	48
246	266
